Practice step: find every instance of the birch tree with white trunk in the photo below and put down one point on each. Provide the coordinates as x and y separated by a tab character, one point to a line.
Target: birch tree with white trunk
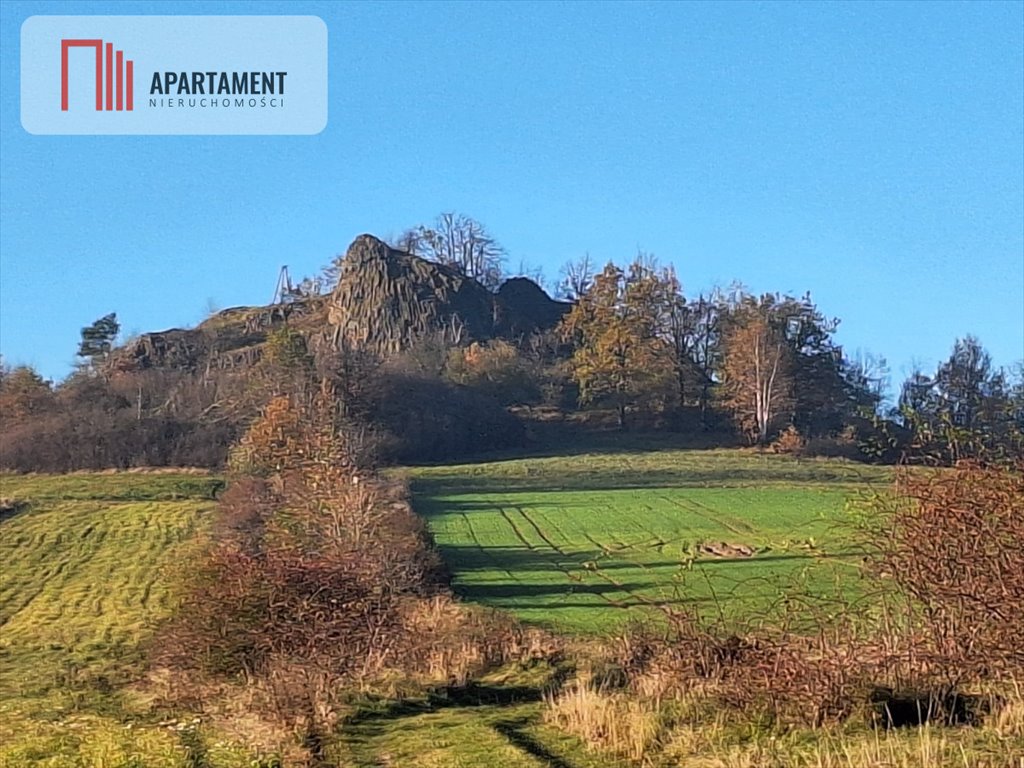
756	374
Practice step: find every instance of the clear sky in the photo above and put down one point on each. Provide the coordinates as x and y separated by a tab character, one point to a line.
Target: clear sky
871	153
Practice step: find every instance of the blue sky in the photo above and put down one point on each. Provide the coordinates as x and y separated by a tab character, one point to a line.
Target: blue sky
870	153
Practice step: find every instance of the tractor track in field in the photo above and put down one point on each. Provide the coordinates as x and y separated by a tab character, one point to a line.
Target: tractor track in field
557	564
513	526
540	532
565	556
743	524
491	558
549	523
702	511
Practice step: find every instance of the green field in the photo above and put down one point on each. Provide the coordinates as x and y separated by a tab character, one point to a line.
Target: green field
579	543
84	579
586	542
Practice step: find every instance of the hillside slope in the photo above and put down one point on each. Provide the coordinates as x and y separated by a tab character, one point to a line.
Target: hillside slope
87	573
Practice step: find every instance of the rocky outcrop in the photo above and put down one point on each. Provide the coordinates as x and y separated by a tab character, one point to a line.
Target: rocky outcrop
233	338
387	299
522	307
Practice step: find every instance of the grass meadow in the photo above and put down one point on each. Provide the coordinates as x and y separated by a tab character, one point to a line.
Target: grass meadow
579	543
585	543
86	572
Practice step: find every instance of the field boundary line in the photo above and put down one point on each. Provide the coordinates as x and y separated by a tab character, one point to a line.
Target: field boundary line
484	551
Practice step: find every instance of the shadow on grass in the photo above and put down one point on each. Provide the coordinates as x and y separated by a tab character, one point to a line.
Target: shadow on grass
601	441
513	730
12	508
377	715
513	590
470	695
522	560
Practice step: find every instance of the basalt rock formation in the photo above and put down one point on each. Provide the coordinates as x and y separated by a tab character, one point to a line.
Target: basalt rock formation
384	302
387	299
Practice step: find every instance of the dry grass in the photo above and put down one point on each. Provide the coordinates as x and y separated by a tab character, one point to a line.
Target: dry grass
625	726
615	722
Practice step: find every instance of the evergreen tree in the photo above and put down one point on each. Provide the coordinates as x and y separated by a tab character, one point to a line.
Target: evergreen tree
98	338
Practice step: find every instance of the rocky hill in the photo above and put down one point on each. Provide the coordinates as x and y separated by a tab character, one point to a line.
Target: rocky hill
384	301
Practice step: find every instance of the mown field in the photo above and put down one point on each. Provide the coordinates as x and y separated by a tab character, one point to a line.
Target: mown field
86	573
584	543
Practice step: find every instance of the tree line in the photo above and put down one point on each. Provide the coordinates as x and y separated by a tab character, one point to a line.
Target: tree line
765	369
769	363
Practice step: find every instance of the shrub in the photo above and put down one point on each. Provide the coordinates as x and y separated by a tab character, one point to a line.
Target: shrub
789	442
321	577
953	548
496	369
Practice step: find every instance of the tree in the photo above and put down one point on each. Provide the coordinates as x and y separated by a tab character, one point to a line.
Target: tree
98	339
757	370
965	410
330	274
866	377
705	322
533	272
620	355
688	330
23	394
822	400
575	278
496	368
965	381
461	242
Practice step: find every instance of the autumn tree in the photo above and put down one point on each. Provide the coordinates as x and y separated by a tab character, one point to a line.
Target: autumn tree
495	368
620	354
24	394
756	373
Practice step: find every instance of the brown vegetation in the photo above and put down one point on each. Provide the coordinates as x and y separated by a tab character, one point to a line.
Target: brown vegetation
320	578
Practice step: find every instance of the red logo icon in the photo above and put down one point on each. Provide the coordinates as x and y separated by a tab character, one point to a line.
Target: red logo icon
115	99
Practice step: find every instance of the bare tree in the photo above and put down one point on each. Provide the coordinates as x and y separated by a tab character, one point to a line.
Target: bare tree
575	278
461	242
410	241
705	318
680	324
331	273
532	272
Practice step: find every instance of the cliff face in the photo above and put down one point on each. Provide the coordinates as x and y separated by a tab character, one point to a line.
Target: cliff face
387	299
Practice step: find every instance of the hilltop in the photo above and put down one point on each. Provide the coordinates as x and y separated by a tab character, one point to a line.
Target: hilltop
386	301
